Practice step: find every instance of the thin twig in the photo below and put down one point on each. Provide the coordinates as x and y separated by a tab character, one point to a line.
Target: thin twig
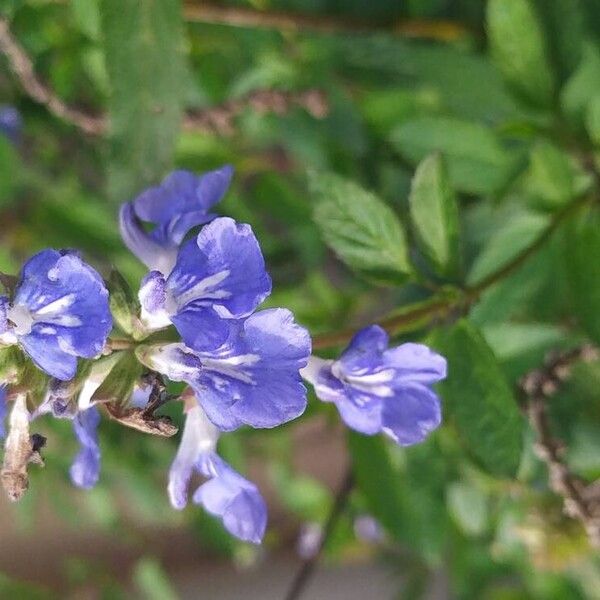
581	500
237	16
308	567
425	315
22	66
219	120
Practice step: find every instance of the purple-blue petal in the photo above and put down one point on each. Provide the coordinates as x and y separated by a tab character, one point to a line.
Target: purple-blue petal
222	268
66	296
3	314
201	328
183	192
153	292
364	418
233	498
415	363
45	352
85	469
199	437
364	352
410	416
255	379
154	255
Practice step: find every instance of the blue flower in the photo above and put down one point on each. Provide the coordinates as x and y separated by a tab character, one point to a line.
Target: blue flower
182	201
85	469
199	437
377	389
60	311
10	123
226	494
252	379
233	498
218	275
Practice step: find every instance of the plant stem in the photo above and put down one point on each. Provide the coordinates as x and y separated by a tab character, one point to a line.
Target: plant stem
581	500
308	567
426	315
217	120
237	16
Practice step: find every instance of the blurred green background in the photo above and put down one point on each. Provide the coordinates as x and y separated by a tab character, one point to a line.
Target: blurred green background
508	93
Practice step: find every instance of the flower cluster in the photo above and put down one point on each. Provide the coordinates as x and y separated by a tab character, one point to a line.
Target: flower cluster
241	366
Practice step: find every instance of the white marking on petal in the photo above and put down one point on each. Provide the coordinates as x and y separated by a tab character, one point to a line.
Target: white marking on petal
58	306
313	368
203	289
232	367
168	361
47	330
99	372
21	318
376	383
155	320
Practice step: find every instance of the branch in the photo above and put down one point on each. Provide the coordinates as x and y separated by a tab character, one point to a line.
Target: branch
308	566
217	120
220	119
581	500
425	315
22	66
236	16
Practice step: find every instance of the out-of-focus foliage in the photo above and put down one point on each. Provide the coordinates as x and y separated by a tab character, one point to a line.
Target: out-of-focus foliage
439	162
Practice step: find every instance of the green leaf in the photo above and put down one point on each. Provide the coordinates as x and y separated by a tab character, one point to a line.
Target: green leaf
118	385
9	170
583	269
363	231
592	120
434	214
565	27
403	490
468	506
87	16
582	86
551	175
304	496
124	305
143	46
511	238
519	48
477	162
479	401
12	363
152	580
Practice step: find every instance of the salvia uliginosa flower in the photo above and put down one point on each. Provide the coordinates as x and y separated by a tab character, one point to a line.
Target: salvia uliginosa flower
252	379
182	201
380	389
60	311
10	122
225	494
219	275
